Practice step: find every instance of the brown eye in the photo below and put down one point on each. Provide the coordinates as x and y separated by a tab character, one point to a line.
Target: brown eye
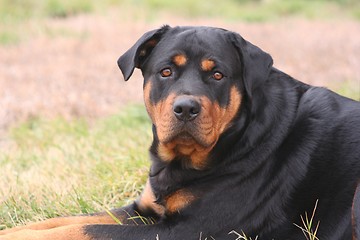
166	72
218	76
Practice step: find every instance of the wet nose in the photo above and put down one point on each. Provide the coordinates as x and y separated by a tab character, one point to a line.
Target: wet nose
186	108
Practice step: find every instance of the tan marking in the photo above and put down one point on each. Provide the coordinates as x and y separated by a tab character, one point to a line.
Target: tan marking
164	120
147	201
180	60
207	65
166	152
104	218
198	158
228	113
178	201
196	153
185	149
75	231
147	101
161	114
210	124
163	117
217	119
160	120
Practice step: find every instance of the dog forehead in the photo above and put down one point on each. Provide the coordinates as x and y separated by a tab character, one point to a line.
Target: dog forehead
196	41
186	46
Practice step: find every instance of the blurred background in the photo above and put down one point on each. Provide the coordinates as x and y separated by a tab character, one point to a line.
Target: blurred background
59	57
70	144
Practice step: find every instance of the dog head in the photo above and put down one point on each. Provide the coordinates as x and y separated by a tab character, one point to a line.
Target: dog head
195	80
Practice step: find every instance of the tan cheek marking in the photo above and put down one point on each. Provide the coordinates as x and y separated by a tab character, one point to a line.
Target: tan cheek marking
147	201
208	120
180	60
228	113
220	117
207	65
164	117
178	201
160	113
148	104
223	116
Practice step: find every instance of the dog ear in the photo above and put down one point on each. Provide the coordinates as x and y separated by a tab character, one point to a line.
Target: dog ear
137	54
256	64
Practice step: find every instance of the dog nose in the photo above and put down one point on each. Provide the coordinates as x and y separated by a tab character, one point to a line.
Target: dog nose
186	108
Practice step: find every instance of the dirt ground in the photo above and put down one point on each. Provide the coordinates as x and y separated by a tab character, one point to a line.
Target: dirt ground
72	70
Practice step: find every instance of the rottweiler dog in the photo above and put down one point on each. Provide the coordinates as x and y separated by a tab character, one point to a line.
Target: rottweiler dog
238	147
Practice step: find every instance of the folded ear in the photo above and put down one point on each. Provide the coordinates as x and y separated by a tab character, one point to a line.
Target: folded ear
256	64
136	55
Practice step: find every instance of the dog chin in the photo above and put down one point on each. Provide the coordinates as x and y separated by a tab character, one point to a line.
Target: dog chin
187	138
184	138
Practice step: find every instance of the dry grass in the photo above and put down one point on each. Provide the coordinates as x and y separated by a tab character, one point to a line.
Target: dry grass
57	167
68	66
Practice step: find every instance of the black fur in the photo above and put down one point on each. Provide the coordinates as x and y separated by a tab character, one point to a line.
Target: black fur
289	145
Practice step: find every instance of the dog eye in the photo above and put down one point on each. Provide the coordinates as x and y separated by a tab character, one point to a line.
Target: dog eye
166	72
218	76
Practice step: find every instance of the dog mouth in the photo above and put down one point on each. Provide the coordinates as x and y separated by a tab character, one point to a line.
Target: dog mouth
184	138
187	135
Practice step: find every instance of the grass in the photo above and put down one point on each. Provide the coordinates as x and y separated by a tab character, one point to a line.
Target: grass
258	10
349	89
16	14
57	167
242	236
239	9
308	228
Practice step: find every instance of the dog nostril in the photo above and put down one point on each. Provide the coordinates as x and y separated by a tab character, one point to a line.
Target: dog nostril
194	110
178	109
186	108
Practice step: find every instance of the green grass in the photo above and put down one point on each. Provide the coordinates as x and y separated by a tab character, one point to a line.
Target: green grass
25	9
16	14
349	89
309	228
239	9
242	235
58	167
257	10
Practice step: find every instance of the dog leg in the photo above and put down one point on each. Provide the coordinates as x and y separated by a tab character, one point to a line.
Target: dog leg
123	215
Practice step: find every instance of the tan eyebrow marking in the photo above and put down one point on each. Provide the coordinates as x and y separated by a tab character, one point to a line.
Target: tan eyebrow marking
180	60
207	65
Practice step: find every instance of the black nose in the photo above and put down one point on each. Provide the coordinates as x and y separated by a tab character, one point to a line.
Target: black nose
186	108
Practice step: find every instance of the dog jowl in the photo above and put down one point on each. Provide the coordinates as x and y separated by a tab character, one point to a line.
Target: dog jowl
238	146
